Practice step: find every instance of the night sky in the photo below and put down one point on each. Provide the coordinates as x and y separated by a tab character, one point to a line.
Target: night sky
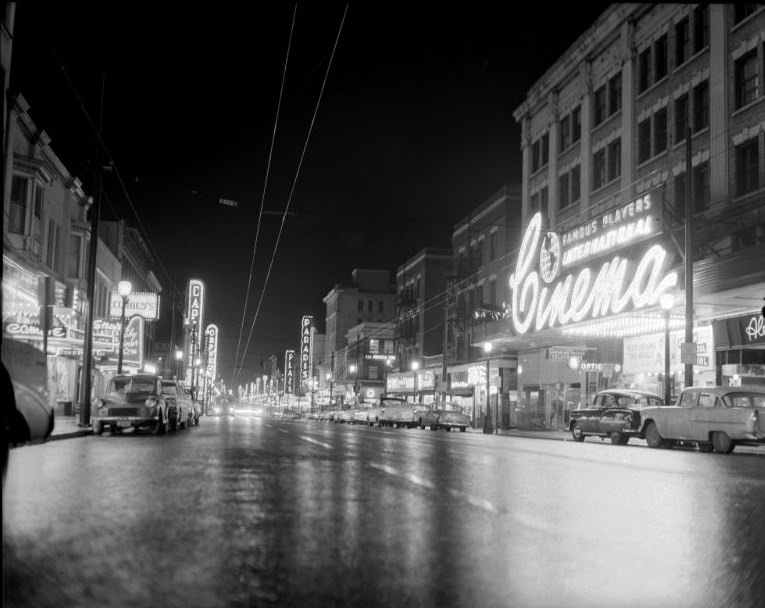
413	130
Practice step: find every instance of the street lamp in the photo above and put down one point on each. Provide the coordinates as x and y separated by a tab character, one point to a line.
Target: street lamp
352	370
178	357
415	367
331	386
666	301
123	288
487	427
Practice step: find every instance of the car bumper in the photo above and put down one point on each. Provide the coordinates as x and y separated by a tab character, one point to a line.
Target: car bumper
126	421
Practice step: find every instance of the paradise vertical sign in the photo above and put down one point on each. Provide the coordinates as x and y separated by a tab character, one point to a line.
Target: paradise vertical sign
306	348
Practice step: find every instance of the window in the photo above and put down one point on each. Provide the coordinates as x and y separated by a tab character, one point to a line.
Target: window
614	154
540	152
680	192
565	133
701	106
660	58
370	306
545	148
742	11
660	131
39	202
493	291
380	307
700	27
682	41
747	79
361	302
539	201
18	205
599	106
644	70
701	188
74	257
747	167
681	117
492	245
615	94
576	124
644	140
599	168
569	187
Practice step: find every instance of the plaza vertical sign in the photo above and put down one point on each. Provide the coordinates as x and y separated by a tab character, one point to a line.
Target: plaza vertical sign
306	337
289	371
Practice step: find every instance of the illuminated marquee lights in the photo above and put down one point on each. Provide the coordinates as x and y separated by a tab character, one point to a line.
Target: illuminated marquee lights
617	286
623	326
305	348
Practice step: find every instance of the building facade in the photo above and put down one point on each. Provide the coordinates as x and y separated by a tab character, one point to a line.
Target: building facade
655	110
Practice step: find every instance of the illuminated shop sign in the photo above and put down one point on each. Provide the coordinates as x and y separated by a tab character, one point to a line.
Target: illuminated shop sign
145	305
645	354
755	329
305	347
626	225
563	353
289	371
195	298
548	298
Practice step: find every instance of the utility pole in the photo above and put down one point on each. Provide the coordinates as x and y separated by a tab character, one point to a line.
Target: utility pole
95	219
445	347
689	207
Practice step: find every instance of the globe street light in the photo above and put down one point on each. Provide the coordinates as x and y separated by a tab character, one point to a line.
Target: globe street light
123	288
415	367
487	427
666	301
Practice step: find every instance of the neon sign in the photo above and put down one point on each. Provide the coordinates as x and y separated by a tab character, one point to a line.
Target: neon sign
212	350
305	348
618	285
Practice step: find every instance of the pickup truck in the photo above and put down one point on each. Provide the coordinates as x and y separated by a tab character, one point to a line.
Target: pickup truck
615	413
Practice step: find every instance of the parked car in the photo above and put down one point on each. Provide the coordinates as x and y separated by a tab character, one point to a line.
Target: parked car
714	417
135	402
443	415
179	406
615	413
394	411
32	419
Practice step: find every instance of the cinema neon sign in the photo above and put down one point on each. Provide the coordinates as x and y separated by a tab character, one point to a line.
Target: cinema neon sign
545	299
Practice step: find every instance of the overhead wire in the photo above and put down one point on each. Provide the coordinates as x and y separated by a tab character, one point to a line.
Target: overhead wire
263	197
237	370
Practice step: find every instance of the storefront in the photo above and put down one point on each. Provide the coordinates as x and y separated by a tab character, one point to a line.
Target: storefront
417	386
740	350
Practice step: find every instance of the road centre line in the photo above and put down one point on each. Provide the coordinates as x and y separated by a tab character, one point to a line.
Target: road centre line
310	440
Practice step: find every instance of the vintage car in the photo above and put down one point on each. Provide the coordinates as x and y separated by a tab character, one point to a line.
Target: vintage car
714	418
223	407
131	402
614	413
397	412
443	415
179	407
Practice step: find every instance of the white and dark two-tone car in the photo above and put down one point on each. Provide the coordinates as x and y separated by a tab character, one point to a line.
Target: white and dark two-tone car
713	417
131	402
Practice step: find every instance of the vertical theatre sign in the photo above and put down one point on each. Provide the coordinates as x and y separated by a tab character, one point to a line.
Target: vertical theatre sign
212	351
195	310
562	279
289	371
305	350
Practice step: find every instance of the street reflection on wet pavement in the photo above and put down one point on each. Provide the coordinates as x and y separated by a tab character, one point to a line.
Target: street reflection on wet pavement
263	512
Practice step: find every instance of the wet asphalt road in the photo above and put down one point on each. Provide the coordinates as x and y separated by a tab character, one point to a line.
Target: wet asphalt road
263	512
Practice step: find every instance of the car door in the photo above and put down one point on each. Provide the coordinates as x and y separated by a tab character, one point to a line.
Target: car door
677	423
590	420
704	417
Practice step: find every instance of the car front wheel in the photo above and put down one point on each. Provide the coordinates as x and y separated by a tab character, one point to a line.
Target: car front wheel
653	438
576	433
98	427
722	443
159	426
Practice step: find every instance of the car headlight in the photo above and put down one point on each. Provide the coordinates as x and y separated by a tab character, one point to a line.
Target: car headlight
99	404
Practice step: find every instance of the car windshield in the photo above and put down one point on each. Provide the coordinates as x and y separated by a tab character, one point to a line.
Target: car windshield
118	384
141	386
643	400
744	400
168	389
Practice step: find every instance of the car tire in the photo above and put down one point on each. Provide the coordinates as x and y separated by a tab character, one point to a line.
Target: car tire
98	427
463	429
654	439
576	433
433	427
619	438
721	443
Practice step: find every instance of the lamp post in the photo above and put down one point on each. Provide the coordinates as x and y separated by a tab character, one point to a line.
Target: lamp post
123	288
331	386
415	367
178	357
666	301
487	427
